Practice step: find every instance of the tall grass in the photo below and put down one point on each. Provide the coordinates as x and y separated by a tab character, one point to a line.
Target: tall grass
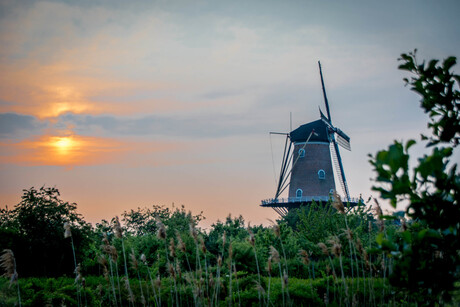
170	279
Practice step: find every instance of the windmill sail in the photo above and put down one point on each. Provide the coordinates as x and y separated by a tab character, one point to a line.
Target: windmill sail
343	139
339	168
337	137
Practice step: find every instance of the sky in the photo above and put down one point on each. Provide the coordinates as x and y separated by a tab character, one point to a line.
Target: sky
126	104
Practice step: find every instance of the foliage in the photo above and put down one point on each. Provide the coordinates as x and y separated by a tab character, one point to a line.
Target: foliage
427	254
144	220
34	230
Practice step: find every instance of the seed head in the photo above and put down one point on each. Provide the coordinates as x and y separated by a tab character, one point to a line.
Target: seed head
178	270
219	261
349	234
180	244
172	273
158	282
251	238
224	238
8	264
285	278
378	209
67	231
144	259
274	254
102	261
117	228
203	246
403	224
304	257
193	232
259	288
105	239
277	230
172	248
359	246
269	265
161	234
337	249
323	248
337	203
134	262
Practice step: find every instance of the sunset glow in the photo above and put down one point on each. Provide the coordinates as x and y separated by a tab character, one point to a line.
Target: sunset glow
125	104
63	144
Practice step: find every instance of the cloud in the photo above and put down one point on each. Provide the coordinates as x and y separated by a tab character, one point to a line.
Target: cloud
176	127
15	126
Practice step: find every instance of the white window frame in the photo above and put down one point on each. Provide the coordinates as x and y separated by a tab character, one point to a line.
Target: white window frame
297	193
321	174
301	153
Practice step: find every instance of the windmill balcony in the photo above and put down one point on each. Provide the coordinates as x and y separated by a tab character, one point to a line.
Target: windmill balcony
304	199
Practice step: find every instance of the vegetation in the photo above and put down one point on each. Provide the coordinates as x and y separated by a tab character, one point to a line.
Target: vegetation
323	254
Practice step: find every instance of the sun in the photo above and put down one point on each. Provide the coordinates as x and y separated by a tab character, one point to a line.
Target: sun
63	144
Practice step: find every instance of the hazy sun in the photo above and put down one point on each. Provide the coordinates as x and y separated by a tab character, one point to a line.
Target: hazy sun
63	144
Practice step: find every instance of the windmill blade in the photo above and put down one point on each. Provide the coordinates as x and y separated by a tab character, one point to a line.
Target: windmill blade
343	139
324	94
284	166
339	168
324	118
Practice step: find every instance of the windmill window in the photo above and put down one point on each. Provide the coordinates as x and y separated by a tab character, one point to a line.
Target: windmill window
298	193
301	153
321	174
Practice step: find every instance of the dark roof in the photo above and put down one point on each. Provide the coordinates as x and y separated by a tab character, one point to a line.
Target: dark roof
302	133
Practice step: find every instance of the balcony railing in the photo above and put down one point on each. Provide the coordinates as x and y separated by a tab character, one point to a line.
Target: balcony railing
303	199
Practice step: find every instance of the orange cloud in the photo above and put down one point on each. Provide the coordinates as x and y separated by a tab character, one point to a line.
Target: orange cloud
67	151
75	150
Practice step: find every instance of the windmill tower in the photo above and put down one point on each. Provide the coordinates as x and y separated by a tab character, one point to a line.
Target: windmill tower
311	154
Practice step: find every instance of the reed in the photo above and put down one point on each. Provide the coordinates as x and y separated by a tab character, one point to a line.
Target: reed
8	264
118	231
68	234
275	256
252	241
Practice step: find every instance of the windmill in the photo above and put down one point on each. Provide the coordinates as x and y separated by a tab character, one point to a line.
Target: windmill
311	154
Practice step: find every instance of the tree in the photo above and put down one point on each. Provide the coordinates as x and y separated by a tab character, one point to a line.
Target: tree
427	253
36	233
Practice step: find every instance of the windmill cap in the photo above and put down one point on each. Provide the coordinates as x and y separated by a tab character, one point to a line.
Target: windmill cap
320	132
